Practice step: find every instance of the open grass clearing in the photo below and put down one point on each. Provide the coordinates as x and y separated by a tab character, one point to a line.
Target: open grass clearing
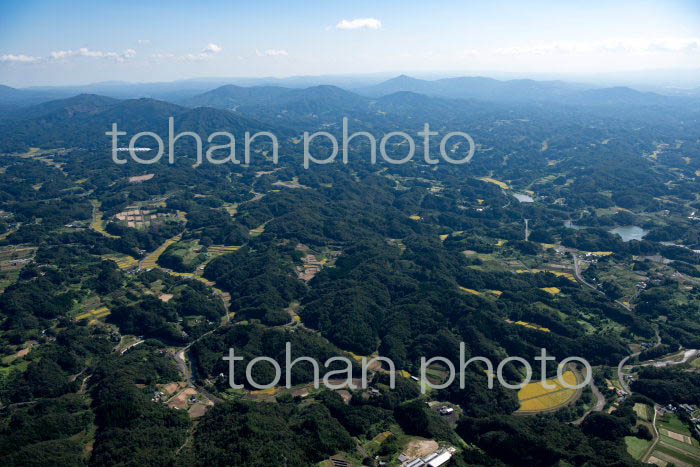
636	447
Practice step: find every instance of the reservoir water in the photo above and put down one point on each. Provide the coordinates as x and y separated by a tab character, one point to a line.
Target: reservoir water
524	198
629	232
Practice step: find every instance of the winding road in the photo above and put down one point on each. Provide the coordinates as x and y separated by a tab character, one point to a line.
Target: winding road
620	366
598	407
624	361
181	361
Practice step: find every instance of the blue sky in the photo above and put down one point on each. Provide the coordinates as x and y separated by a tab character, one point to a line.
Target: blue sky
73	42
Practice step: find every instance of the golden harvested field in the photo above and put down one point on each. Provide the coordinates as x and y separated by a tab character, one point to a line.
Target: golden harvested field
568	275
471	291
552	290
257	231
222	249
532	326
535	397
96	314
149	262
495	182
124	262
98	224
547	402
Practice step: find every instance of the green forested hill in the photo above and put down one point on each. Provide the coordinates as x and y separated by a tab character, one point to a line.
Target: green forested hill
123	286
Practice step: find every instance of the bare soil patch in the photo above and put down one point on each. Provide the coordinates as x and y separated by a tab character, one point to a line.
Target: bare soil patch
420	447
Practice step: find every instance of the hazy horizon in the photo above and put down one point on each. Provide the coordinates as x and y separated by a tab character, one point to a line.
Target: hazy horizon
42	43
640	79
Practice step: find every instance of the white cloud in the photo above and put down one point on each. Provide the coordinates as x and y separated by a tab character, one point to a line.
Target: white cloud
10	58
359	23
85	52
271	53
212	48
144	41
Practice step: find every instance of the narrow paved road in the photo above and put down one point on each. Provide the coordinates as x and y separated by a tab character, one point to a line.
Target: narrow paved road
624	361
579	277
623	383
598	407
180	357
646	455
527	229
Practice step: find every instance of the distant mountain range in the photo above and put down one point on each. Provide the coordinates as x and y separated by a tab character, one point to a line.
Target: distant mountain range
404	93
399	103
81	121
521	90
313	98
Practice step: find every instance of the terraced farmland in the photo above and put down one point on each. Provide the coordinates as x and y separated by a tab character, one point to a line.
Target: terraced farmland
97	313
536	398
149	262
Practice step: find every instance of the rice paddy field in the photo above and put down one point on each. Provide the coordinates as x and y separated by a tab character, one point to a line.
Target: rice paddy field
149	262
222	249
503	185
124	262
568	275
471	291
257	231
531	326
12	260
98	223
676	444
97	313
536	398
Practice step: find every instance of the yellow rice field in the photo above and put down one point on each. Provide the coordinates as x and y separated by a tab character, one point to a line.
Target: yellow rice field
149	262
124	262
532	326
535	397
552	290
568	275
98	224
503	185
471	291
257	230
223	249
547	402
96	313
